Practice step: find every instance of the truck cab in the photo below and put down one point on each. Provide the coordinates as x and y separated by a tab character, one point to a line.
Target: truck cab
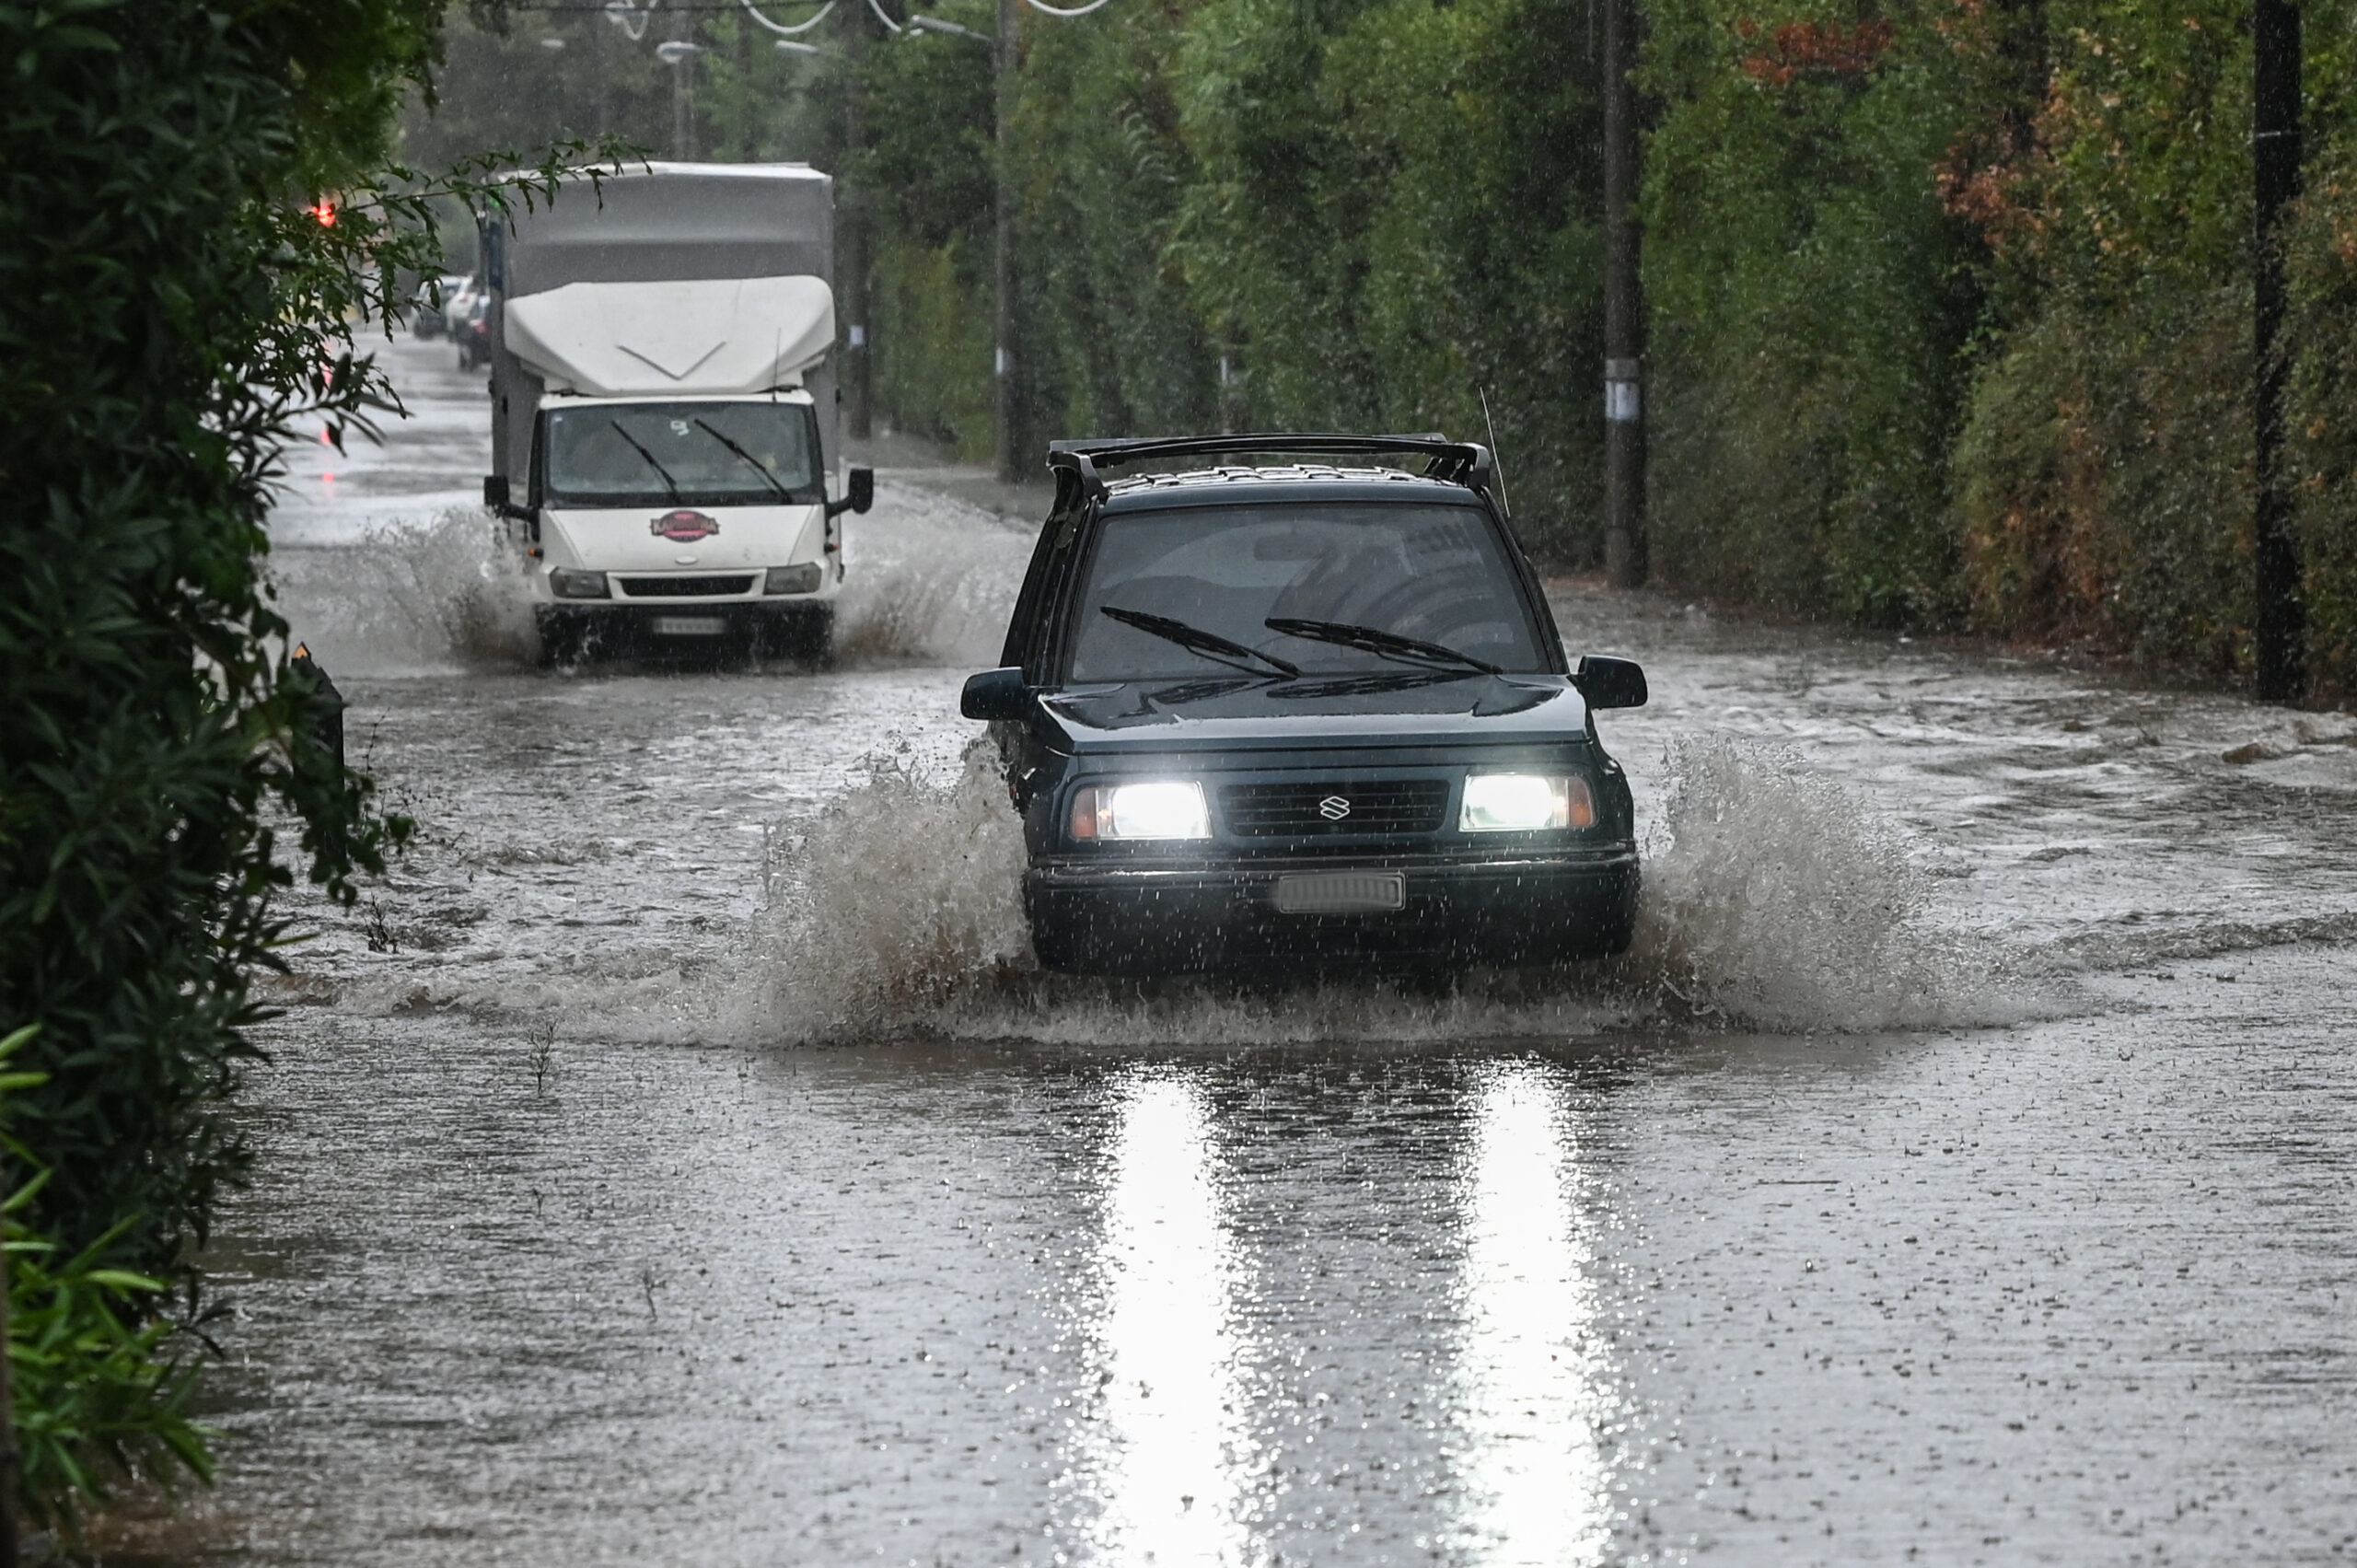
665	439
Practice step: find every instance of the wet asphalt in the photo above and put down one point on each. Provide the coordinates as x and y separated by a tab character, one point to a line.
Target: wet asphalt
1968	1175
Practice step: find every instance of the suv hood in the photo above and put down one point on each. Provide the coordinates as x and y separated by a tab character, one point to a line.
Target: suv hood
1409	709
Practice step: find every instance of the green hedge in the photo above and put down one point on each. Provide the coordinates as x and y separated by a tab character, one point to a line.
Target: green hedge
167	308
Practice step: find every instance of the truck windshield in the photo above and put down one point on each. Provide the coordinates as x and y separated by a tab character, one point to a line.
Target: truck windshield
686	454
1429	584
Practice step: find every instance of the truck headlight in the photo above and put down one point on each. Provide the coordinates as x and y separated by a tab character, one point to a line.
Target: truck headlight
802	579
566	583
1166	809
1525	802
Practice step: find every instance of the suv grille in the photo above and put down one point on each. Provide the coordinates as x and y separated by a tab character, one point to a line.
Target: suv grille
1298	811
684	587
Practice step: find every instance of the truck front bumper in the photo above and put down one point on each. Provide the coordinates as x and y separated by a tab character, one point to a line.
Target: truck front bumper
1465	910
800	628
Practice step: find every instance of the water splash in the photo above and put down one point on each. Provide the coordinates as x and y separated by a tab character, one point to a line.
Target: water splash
931	580
408	598
928	580
1779	899
1773	901
898	907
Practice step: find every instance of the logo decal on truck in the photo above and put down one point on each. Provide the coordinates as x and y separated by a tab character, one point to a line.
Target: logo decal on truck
683	525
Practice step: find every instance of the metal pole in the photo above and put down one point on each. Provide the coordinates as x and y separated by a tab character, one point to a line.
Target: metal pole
850	257
1624	309
2275	167
1002	260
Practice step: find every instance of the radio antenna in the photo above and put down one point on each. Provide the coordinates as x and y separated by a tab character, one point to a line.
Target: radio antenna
1496	458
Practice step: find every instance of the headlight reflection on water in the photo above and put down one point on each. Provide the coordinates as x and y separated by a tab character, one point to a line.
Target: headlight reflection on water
1169	1459
1531	1478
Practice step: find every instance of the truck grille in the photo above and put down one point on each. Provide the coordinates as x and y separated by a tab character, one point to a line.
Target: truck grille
1301	811
684	587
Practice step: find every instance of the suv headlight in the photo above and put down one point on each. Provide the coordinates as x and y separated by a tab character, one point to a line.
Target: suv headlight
1164	808
1525	802
802	579
566	583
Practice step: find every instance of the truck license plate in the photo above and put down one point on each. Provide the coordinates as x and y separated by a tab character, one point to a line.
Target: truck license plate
1343	892
689	625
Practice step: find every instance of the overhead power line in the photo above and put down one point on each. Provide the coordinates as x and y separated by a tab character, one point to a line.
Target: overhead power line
780	28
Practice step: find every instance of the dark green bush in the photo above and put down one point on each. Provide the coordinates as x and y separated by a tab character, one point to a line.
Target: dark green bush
167	308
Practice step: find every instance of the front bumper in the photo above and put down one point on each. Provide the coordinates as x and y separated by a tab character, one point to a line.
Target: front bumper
799	627
1471	909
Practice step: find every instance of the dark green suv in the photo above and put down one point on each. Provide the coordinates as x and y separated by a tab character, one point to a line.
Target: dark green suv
1303	714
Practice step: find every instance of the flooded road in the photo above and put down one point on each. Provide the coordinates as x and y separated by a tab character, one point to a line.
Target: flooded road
676	1159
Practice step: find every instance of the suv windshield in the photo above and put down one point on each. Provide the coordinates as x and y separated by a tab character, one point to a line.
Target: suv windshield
748	454
1191	591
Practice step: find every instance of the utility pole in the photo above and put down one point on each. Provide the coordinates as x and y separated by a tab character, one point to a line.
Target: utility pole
1003	259
2275	167
1624	309
851	254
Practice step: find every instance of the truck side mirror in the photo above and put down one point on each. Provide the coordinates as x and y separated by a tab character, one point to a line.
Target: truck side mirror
495	493
859	493
995	694
1610	682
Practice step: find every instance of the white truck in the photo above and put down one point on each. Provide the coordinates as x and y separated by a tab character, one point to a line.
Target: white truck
665	441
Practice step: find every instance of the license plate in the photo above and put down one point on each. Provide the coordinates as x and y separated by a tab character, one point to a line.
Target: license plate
1343	892
689	625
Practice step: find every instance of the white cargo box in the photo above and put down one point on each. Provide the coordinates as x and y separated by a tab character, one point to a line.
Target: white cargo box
706	336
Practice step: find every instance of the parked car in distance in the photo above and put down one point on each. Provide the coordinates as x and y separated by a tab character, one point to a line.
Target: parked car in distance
428	305
1304	714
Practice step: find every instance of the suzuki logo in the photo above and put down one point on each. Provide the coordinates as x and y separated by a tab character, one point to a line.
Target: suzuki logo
683	525
1334	808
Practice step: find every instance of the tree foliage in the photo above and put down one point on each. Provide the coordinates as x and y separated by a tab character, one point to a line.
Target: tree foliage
168	306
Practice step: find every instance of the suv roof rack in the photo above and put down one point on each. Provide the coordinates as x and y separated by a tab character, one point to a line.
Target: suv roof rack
1454	462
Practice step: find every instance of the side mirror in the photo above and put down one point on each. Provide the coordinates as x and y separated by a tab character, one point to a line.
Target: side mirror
859	493
1610	682
495	493
995	694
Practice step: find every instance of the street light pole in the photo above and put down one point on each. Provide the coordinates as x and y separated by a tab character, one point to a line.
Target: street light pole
850	258
2281	629
1003	257
680	55
1624	308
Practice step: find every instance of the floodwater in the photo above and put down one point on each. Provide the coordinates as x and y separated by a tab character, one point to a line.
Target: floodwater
676	1160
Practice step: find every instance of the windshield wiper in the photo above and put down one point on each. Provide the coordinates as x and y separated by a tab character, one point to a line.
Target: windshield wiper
751	461
1383	645
1195	640
668	482
1375	683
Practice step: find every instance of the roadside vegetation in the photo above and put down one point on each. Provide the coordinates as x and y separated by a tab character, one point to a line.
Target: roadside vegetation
187	239
1951	300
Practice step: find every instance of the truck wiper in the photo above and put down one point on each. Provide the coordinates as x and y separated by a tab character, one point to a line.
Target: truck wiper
668	482
1195	640
751	461
1383	645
